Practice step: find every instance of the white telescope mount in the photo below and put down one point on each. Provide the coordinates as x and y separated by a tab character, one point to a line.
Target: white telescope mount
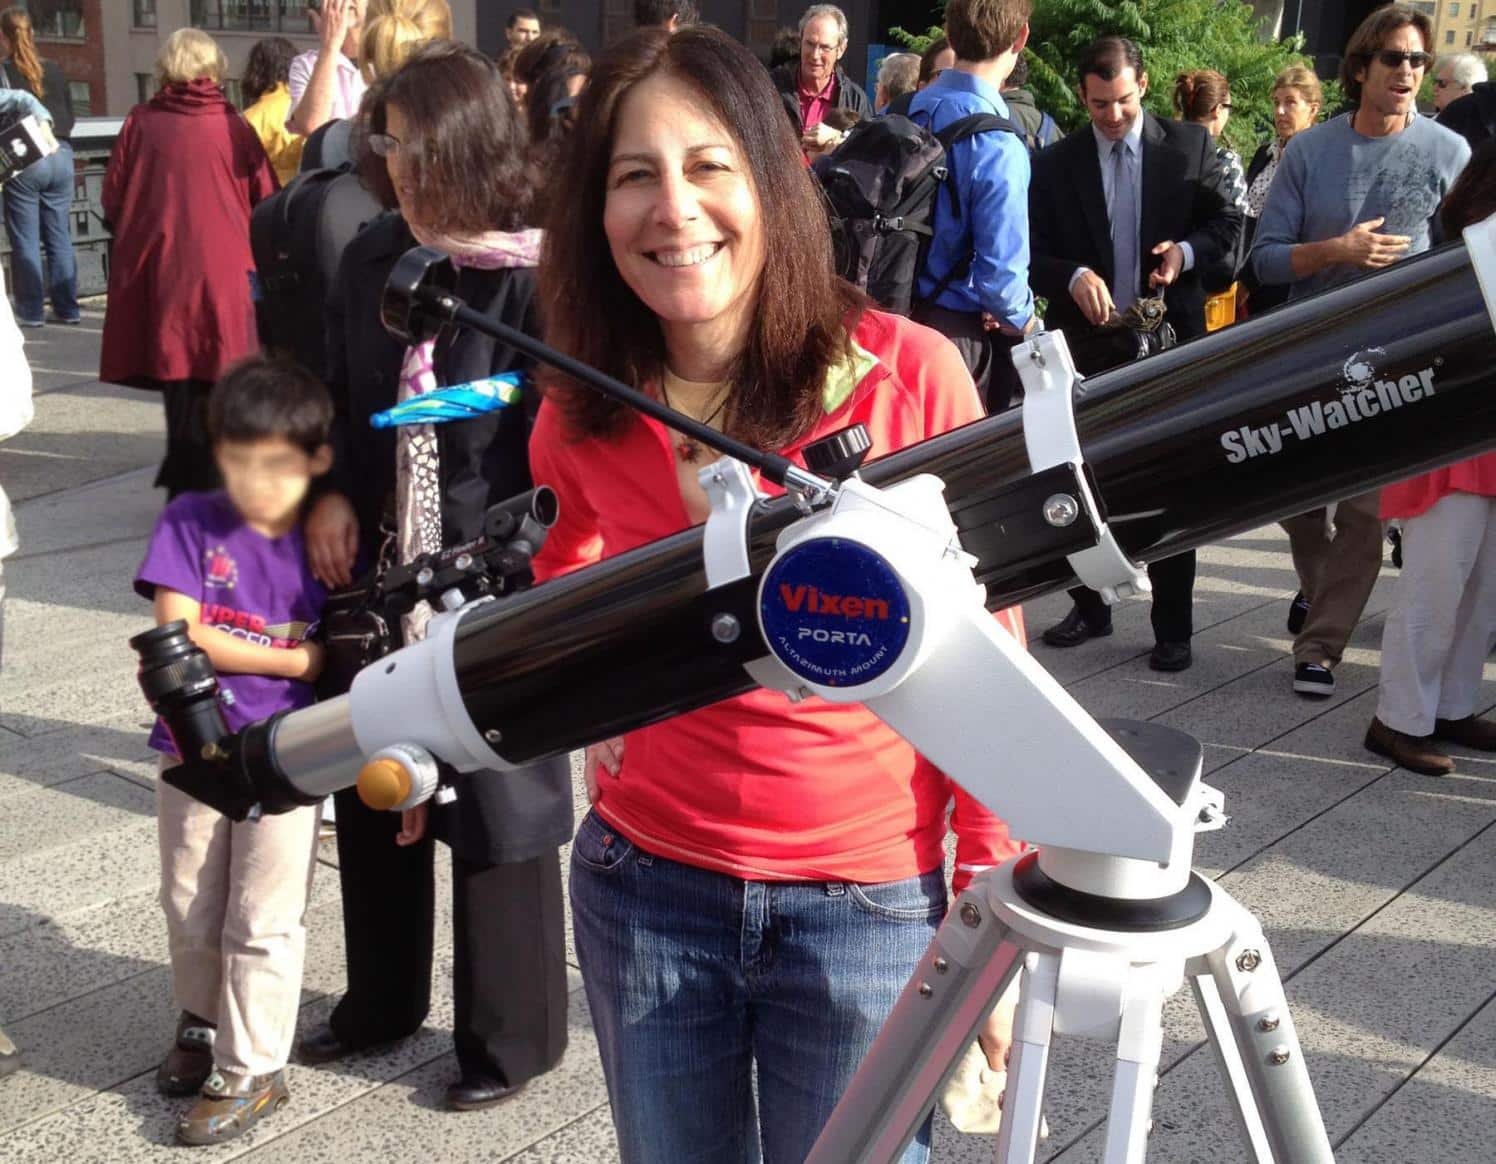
871	599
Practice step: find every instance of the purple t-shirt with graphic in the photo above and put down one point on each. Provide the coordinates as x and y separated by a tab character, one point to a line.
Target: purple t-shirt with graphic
254	587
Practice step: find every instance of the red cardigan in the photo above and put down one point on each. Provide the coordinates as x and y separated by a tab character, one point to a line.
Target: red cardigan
754	786
182	179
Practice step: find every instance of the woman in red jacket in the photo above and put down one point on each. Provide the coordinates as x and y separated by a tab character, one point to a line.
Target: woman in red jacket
757	879
183	177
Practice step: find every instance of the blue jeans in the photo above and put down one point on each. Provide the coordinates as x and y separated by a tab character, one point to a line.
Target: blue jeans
38	207
694	977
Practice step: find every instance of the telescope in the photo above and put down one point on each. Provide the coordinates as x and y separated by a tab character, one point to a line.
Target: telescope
872	584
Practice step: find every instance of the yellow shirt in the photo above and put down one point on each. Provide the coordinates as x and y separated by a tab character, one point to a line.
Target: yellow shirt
268	116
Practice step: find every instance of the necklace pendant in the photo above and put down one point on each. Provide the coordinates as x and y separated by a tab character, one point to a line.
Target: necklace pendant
688	451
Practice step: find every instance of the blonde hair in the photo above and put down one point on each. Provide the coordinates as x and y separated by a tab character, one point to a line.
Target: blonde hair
1303	81
15	23
393	29
188	54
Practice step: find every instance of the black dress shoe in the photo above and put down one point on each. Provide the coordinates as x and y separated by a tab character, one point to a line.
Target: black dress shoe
475	1092
1170	657
1298	611
323	1046
1073	630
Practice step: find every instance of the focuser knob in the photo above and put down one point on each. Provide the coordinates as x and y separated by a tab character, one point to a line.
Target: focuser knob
839	455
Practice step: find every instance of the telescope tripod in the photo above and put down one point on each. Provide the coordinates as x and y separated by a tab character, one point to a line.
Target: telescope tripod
1087	975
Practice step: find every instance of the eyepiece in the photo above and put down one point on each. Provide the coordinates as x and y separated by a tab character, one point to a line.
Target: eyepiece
179	683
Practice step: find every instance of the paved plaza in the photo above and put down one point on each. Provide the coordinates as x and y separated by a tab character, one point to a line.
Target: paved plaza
1377	887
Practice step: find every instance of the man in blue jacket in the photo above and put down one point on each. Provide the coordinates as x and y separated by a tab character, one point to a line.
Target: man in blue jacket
974	288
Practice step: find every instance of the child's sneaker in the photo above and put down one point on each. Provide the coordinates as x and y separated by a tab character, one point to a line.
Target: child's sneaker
190	1061
231	1105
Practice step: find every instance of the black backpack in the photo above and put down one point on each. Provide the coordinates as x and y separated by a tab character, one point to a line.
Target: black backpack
881	184
298	236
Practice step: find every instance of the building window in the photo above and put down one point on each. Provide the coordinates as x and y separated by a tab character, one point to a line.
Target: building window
1449	37
145	87
1469	37
251	15
80	93
234	91
1454	9
145	13
57	19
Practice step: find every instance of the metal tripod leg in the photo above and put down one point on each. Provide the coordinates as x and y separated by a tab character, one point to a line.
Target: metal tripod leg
1028	1060
1139	1045
967	967
1256	1010
1228	1059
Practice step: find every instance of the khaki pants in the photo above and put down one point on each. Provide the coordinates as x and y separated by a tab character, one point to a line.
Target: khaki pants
1335	576
235	896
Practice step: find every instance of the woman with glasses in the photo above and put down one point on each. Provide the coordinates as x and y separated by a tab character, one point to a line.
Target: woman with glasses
446	153
1204	97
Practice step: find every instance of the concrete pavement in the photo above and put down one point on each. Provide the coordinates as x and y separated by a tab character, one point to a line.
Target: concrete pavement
1377	887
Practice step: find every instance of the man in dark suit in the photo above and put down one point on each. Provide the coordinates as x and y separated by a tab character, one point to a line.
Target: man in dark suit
1125	207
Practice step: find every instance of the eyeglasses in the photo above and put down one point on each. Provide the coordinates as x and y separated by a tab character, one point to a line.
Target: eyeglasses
1226	105
1441	83
385	144
1393	59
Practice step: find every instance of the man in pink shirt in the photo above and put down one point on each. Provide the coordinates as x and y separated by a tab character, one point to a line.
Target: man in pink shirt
325	83
816	84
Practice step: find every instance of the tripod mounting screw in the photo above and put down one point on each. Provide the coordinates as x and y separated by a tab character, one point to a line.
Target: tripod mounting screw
941	965
726	628
925	990
971	916
1061	510
494	736
1279	1055
1248	960
1268	1022
424	576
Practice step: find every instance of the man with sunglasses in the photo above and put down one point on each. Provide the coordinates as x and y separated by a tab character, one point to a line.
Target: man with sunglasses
1352	195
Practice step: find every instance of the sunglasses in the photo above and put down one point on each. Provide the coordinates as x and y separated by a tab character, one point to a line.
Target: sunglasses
1394	59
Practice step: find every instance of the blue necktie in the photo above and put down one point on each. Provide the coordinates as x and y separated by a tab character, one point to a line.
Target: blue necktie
1124	229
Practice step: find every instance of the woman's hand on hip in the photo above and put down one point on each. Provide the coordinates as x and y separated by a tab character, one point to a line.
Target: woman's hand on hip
332	539
609	756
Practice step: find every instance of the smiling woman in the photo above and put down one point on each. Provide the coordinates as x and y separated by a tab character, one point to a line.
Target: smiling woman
756	879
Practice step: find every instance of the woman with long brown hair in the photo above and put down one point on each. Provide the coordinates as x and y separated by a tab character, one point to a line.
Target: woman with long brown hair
445	151
756	879
39	200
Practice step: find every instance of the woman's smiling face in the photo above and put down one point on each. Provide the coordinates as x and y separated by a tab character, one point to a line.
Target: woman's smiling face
681	215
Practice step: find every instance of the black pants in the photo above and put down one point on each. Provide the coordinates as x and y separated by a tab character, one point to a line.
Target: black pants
988	354
509	976
1173	600
188	465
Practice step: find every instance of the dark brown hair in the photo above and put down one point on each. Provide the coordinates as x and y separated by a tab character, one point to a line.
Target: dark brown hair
1198	93
980	30
927	59
1107	56
269	65
468	145
1472	198
800	325
1371	34
264	397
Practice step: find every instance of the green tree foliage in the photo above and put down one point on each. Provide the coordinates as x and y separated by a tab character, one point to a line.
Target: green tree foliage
1175	36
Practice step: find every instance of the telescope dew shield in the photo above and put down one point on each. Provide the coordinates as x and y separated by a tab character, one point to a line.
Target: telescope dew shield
1338	394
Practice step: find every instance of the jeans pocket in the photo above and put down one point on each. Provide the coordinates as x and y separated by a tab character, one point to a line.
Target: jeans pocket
599	847
915	899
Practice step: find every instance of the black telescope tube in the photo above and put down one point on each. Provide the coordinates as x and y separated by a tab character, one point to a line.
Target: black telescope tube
1341	393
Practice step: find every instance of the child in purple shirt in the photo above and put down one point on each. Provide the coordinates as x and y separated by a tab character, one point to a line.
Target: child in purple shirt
233	565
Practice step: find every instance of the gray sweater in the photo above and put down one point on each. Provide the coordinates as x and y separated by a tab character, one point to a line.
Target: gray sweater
1331	178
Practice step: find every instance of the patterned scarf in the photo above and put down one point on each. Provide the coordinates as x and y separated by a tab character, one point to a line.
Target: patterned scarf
418	508
1257	195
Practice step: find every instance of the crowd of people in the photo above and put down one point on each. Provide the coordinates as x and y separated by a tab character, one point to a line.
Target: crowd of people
742	928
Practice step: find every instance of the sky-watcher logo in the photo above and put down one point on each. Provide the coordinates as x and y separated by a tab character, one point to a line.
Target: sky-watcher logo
1363	396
